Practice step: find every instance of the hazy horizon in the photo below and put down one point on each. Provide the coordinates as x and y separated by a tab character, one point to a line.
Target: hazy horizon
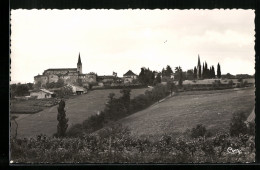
122	40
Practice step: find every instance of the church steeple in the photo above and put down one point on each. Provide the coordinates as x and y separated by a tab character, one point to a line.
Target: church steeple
79	65
79	60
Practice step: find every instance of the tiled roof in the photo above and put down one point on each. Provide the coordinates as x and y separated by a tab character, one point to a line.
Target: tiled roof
129	73
46	91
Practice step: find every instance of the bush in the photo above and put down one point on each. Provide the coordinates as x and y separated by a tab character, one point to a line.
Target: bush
75	131
251	128
238	124
230	83
198	131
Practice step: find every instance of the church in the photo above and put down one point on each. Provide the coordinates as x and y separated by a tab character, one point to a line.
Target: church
68	75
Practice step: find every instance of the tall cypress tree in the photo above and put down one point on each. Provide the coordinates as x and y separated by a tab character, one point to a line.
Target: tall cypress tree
198	68
195	72
219	71
206	70
199	71
210	72
213	72
203	71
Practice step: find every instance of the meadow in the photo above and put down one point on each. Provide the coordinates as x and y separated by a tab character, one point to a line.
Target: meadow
78	108
174	116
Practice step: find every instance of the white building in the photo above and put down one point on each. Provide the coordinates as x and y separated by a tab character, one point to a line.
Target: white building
41	93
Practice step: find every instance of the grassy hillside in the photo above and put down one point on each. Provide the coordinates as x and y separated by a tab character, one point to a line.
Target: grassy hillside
213	109
78	109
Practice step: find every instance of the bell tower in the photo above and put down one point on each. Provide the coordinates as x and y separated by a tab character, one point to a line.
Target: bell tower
79	65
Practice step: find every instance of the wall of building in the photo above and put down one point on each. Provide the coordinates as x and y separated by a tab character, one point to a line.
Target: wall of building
53	78
42	79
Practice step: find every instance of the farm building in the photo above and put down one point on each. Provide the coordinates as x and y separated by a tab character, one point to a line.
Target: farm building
129	76
77	89
41	94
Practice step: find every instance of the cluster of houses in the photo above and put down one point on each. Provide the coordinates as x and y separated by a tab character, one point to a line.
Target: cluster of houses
77	80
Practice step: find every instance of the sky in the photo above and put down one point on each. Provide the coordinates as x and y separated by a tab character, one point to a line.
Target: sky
122	40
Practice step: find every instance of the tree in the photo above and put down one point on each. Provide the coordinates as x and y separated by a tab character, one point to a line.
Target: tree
141	76
159	92
190	75
30	86
200	76
171	85
238	124
158	78
60	83
203	71
65	91
195	72
63	121
213	72
206	75
178	70
146	76
168	71
21	90
219	71
125	99
163	72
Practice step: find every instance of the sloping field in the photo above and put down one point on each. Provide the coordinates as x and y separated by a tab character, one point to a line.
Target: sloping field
213	109
78	109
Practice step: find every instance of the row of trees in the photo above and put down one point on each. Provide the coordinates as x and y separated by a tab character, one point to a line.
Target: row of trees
205	72
20	89
149	77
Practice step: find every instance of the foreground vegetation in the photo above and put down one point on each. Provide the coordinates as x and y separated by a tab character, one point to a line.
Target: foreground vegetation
114	144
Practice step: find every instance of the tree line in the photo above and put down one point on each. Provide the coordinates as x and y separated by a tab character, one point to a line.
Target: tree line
149	77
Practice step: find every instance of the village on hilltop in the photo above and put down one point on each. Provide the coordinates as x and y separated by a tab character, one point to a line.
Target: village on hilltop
56	82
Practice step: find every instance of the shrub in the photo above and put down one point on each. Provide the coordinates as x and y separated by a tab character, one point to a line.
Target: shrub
230	83
238	124
245	83
240	80
198	131
251	128
75	130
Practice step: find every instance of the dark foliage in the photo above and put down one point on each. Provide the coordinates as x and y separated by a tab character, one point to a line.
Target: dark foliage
63	121
238	125
198	131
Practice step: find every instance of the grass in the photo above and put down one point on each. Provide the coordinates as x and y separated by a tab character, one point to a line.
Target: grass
213	109
78	109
